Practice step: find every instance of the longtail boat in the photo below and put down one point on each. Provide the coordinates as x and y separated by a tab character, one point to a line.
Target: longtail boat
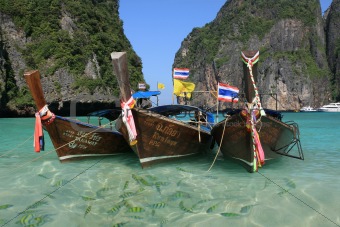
252	135
160	133
73	139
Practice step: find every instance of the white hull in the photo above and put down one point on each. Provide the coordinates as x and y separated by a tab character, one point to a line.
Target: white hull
332	107
328	110
307	109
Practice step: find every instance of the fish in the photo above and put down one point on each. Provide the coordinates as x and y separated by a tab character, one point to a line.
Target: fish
126	185
32	220
88	210
115	209
86	198
181	205
246	209
103	191
127	195
284	191
38	221
37	204
230	214
5	206
162	183
141	180
43	176
158	187
136	178
183	170
179	195
290	183
50	196
144	182
153	178
179	183
60	183
212	208
158	205
120	224
267	183
136	209
140	190
164	221
26	219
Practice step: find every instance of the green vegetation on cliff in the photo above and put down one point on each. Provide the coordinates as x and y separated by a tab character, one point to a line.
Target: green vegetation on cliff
94	30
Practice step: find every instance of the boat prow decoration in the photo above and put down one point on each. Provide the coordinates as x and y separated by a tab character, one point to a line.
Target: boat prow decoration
254	135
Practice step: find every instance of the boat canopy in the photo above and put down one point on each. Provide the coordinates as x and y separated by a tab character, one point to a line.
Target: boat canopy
173	110
167	110
111	114
145	94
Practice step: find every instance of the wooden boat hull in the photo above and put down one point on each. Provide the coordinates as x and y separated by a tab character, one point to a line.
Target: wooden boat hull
161	139
76	140
236	142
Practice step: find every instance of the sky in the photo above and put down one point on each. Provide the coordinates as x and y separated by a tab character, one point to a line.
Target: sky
156	29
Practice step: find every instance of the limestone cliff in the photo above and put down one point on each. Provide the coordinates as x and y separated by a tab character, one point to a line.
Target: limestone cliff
332	28
291	40
70	43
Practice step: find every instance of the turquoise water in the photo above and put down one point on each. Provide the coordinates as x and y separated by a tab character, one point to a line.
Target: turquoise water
37	190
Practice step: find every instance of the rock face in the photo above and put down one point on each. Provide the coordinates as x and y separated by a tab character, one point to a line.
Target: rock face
332	28
290	38
79	74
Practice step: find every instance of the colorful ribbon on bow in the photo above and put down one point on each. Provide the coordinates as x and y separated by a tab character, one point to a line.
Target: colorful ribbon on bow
39	142
251	119
128	120
257	147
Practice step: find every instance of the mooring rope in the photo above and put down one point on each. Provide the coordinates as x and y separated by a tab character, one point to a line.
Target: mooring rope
48	152
219	147
285	190
49	194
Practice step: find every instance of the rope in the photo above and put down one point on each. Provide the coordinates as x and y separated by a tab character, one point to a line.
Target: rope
256	162
299	199
48	152
219	147
250	62
49	194
199	130
258	156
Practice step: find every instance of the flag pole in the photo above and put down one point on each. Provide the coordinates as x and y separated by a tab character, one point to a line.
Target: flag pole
217	104
172	95
157	95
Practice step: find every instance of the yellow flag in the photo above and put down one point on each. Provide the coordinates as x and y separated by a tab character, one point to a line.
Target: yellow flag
160	86
180	87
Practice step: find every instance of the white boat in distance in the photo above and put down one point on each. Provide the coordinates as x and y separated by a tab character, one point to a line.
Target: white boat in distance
332	107
307	109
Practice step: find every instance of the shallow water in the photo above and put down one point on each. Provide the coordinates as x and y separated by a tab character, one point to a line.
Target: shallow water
37	190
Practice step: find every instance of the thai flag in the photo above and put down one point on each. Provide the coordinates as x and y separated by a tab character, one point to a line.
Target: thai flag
227	93
181	73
